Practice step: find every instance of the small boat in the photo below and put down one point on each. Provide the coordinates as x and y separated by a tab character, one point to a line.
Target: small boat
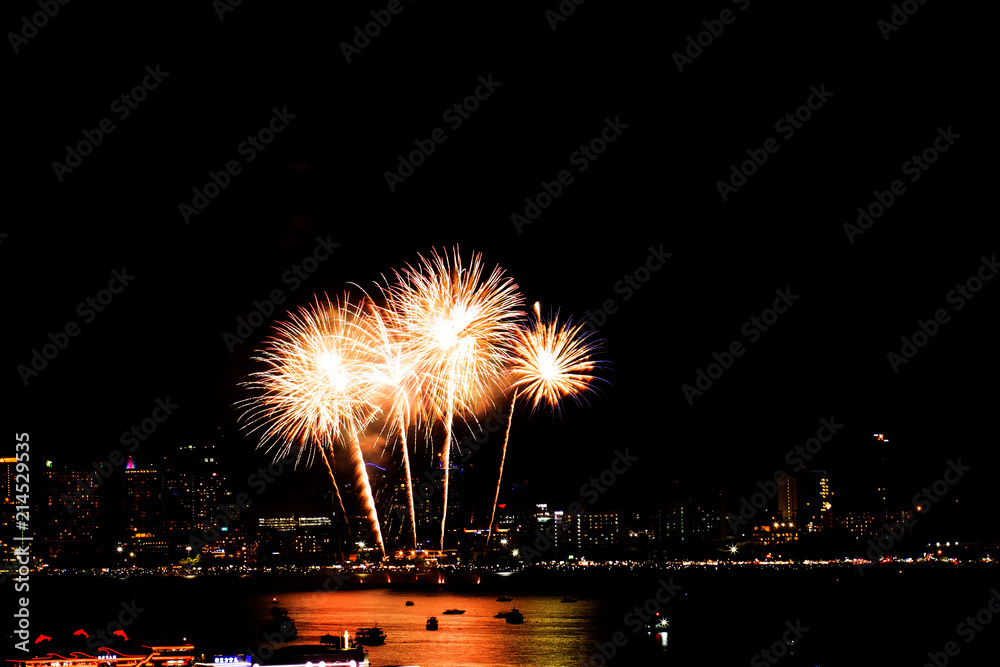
409	603
452	612
280	623
369	636
432	623
505	614
514	617
567	600
503	598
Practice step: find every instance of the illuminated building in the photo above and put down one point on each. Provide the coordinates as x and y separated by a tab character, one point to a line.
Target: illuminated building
805	499
594	534
194	484
141	501
682	522
8	514
9	464
295	531
69	512
778	532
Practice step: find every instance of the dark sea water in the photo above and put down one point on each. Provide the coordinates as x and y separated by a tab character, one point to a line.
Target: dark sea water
891	616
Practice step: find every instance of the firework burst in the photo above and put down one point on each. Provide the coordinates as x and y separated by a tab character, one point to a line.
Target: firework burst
458	329
318	387
551	362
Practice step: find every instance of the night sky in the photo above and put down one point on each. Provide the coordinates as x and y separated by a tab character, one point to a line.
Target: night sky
655	187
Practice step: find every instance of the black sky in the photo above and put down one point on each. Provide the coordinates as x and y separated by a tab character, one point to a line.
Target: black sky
654	186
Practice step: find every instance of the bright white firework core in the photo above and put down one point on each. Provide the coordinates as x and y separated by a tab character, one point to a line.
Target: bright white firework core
330	365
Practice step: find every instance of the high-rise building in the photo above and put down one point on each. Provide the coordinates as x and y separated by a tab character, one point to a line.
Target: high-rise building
682	522
8	514
8	468
804	500
195	482
68	514
141	501
593	535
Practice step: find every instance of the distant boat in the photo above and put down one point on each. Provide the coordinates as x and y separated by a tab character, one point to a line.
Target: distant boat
432	623
567	600
451	612
369	636
503	599
514	617
409	603
505	614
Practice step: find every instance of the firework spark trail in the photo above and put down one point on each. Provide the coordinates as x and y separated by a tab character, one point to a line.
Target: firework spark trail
409	483
340	501
361	472
550	363
447	463
503	456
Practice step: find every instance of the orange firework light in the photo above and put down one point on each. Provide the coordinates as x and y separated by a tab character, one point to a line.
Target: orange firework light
447	342
458	330
552	361
319	388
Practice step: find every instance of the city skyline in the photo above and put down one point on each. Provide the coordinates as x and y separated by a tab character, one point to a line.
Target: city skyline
774	221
